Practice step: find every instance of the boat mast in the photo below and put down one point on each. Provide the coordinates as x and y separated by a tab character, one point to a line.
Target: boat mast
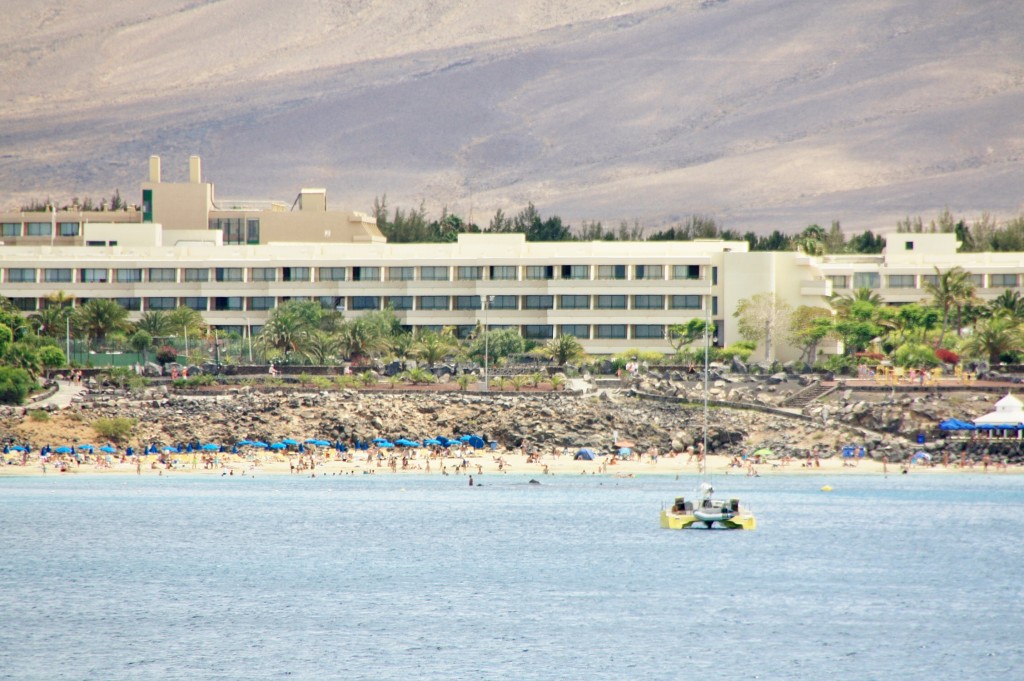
704	458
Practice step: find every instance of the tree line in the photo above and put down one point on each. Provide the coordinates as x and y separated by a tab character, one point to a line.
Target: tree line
416	226
949	325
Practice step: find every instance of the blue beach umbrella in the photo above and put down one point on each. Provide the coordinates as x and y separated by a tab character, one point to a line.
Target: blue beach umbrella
242	443
108	449
432	441
386	445
278	445
18	448
171	450
63	450
289	441
210	447
261	445
378	440
87	448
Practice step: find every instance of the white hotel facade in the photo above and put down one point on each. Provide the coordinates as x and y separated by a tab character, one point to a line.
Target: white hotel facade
235	263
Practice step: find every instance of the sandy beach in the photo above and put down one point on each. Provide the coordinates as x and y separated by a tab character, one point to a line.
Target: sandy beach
478	463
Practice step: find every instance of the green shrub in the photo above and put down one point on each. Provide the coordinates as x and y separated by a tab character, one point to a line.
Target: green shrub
117	429
14	385
51	356
321	382
915	355
39	415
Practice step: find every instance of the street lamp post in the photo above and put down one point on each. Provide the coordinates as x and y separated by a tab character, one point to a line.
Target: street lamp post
248	332
487	305
67	338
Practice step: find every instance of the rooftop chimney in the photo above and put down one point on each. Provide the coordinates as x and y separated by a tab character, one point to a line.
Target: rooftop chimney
154	169
195	175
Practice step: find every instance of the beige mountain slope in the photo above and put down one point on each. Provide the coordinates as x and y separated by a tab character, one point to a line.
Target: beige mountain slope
768	114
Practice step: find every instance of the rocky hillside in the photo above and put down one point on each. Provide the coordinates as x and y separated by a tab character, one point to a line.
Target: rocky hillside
764	114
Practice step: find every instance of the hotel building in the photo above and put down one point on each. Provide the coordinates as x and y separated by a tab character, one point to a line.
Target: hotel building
236	261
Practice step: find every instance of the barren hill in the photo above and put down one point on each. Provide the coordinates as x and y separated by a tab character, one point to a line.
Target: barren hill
764	113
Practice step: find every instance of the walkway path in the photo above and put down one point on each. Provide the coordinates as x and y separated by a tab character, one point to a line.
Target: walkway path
66	393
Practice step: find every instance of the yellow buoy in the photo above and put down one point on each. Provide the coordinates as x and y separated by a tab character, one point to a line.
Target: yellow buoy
826	488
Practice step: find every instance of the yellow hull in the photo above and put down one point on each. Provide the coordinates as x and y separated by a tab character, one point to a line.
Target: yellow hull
684	521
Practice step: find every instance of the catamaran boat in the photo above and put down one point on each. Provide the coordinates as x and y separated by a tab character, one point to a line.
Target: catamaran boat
708	513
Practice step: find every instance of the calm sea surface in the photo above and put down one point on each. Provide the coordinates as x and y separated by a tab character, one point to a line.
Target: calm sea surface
405	577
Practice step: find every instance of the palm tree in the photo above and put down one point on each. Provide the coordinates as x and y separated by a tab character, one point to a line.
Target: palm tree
1008	302
995	337
360	338
283	332
99	317
433	347
842	304
156	323
52	321
950	290
320	347
563	349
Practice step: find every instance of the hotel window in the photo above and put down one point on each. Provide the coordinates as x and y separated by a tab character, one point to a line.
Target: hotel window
38	229
977	279
575	271
573	302
130	304
197	303
10	229
649	302
160	303
127	276
470	273
649	272
503	272
503	303
25	304
649	331
538	331
467	302
684	302
57	275
577	330
67	228
93	275
434	273
365	302
162	274
331	303
366	274
464	331
294	274
714	305
611	271
261	303
838	280
227	304
901	281
264	274
433	303
401	273
1003	280
197	274
21	275
686	271
223	274
252	229
333	273
609	330
399	302
867	280
538	302
606	302
540	272
230	228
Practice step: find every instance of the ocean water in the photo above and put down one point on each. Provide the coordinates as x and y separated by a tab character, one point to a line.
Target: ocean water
424	577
